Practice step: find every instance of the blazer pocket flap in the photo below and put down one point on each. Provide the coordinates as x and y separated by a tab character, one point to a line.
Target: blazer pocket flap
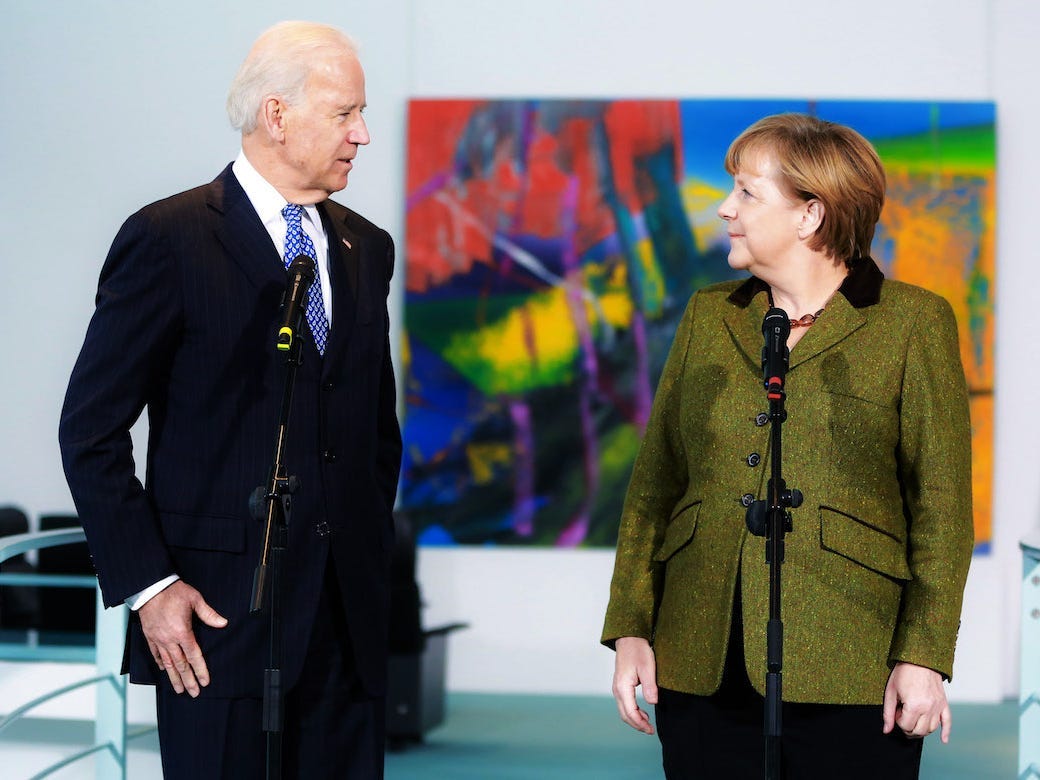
864	544
199	532
679	532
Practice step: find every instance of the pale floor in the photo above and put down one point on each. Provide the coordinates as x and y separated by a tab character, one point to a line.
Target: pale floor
511	737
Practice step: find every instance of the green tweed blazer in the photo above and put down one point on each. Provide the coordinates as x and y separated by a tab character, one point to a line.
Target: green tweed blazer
878	440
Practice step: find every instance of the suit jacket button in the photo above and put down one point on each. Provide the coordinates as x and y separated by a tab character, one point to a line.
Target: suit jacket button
754	459
322	528
327	386
761	419
330	456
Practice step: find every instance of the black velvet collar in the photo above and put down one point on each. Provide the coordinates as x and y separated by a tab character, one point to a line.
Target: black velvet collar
862	287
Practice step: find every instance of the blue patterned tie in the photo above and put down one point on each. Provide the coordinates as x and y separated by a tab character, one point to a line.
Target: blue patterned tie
299	243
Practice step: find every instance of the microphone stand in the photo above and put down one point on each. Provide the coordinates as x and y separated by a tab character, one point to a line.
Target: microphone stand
770	518
273	505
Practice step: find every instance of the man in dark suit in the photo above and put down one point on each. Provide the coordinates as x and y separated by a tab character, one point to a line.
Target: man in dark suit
185	326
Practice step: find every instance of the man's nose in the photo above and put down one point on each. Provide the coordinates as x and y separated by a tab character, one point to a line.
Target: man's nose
359	134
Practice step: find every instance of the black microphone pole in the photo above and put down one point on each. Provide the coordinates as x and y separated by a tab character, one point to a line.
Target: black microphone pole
771	519
273	505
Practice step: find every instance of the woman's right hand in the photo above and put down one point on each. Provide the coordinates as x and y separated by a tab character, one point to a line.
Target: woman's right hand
634	665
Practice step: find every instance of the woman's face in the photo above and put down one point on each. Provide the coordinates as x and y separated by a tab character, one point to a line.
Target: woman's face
762	220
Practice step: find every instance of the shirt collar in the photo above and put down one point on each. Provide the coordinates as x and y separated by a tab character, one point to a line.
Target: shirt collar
861	287
267	201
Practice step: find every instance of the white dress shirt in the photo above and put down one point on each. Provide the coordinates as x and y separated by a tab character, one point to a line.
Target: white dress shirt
269	204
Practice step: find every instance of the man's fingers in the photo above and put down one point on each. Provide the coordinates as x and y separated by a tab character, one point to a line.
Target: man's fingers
198	665
208	615
185	674
168	664
154	650
166	620
185	665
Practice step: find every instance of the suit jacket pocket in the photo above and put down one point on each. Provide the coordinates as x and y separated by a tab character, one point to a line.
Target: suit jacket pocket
198	532
864	544
679	532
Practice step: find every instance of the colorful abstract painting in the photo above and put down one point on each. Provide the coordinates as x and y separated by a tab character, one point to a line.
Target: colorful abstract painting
551	248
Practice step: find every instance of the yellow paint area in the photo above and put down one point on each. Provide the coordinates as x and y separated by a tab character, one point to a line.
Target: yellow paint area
532	346
483	457
652	280
701	202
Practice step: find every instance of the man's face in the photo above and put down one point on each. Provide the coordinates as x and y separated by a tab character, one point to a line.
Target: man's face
325	129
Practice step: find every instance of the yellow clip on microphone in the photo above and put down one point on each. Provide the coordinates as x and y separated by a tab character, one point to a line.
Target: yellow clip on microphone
294	301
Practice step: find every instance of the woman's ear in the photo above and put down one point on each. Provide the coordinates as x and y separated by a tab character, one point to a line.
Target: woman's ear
812	218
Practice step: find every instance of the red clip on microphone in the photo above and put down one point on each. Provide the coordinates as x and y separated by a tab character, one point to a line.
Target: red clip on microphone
776	327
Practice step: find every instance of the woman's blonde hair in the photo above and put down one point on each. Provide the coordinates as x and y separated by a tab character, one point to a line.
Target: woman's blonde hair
822	161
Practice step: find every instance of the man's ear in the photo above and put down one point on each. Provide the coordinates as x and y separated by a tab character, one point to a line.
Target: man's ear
272	118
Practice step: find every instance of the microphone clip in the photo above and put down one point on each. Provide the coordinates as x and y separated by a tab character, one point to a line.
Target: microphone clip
299	276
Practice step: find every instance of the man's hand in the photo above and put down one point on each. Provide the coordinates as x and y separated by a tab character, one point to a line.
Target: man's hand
915	700
634	665
166	622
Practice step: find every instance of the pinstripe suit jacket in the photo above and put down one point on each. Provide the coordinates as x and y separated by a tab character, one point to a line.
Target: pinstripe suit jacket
877	438
187	310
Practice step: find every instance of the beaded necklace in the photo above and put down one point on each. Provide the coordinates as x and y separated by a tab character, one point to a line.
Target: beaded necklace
806	320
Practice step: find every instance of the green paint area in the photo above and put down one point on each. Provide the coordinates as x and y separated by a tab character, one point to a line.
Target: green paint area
961	150
503	344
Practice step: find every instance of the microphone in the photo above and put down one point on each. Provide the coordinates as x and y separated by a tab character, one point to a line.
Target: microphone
776	327
294	301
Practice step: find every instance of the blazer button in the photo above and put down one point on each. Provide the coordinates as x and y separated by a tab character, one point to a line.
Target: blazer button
754	459
322	528
330	456
747	500
327	386
761	419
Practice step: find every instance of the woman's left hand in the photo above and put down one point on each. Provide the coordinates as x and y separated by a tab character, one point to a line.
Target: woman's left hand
915	700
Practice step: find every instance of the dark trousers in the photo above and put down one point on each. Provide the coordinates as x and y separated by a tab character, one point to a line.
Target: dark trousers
720	737
332	728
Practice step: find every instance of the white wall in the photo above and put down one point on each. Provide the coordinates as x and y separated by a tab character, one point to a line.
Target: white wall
114	103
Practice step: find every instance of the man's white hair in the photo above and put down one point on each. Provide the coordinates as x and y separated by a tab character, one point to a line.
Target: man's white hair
278	64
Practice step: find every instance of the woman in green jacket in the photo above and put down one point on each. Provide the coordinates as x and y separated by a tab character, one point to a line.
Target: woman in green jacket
877	439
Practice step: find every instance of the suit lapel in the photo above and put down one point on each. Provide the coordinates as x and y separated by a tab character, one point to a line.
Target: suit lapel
241	232
345	255
247	241
745	326
838	320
